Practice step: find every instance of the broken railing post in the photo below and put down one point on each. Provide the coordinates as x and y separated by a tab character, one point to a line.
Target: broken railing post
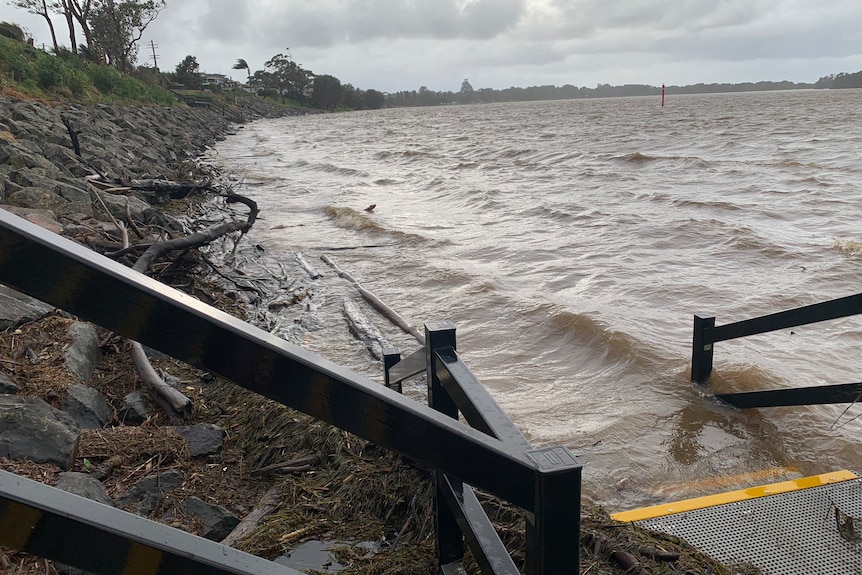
701	348
391	357
450	540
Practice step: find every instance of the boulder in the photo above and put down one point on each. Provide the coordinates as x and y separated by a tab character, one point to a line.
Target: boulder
17	308
148	493
86	406
202	439
85	486
32	429
216	521
85	353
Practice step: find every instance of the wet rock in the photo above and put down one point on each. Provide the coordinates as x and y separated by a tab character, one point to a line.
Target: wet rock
148	493
86	406
32	429
84	355
216	521
202	439
44	218
39	199
140	210
85	486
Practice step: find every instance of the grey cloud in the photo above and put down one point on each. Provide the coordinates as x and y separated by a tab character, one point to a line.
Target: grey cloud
225	19
355	21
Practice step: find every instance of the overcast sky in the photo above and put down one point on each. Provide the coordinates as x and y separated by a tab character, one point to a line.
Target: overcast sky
393	45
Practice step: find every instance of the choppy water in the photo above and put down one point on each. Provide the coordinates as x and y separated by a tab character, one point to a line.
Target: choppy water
571	242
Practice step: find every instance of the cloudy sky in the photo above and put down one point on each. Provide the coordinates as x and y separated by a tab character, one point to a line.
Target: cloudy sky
393	45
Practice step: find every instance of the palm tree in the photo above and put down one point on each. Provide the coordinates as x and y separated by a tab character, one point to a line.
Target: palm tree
242	65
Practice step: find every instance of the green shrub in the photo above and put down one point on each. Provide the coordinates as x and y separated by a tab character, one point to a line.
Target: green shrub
104	78
50	73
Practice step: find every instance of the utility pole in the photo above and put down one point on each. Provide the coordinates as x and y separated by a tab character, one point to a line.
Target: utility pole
155	60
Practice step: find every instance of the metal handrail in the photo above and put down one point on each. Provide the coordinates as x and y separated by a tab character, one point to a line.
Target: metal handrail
706	334
72	277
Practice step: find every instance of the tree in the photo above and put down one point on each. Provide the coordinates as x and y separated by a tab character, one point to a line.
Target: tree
242	65
78	11
39	8
374	100
286	76
467	92
117	26
188	73
328	91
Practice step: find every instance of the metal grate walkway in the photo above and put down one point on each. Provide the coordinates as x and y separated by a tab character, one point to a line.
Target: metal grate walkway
806	526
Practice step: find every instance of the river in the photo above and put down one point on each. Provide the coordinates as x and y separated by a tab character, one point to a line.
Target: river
571	242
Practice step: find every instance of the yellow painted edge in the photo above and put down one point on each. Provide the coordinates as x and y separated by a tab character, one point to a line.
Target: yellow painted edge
142	560
733	496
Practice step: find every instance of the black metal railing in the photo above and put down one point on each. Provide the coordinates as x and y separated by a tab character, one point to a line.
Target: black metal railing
706	334
553	518
544	482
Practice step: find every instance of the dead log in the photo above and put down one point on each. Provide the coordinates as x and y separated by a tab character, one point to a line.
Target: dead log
364	329
377	303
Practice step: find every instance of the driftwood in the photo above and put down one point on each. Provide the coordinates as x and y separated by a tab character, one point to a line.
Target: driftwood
364	329
377	303
248	524
297	465
175	399
312	273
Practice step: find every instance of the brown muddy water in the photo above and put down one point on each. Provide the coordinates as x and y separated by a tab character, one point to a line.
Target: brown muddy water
571	242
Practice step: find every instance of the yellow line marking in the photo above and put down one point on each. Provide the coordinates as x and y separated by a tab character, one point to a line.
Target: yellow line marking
142	560
16	525
733	496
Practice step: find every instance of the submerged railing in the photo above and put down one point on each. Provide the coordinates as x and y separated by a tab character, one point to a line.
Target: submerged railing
706	334
544	482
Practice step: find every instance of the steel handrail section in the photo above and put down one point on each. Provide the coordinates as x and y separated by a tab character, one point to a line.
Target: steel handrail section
51	523
69	276
474	402
706	334
814	313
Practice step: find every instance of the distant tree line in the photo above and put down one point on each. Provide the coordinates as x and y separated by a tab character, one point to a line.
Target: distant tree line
467	94
842	80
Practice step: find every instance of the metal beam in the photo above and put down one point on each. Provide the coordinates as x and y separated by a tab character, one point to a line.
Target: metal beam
817	395
50	523
72	277
832	309
475	403
488	551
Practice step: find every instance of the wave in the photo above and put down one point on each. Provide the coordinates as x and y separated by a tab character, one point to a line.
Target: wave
350	219
849	247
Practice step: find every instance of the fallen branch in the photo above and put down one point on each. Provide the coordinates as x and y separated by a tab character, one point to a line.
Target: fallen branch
378	304
175	399
364	329
312	273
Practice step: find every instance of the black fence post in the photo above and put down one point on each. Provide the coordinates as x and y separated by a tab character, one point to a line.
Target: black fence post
450	540
554	528
391	357
701	348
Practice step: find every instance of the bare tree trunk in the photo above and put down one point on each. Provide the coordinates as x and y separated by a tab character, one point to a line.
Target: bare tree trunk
44	13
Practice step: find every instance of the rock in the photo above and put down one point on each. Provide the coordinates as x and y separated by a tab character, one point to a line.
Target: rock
7	386
84	355
86	406
135	409
85	486
39	199
216	521
32	429
17	308
202	439
147	494
43	218
140	210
